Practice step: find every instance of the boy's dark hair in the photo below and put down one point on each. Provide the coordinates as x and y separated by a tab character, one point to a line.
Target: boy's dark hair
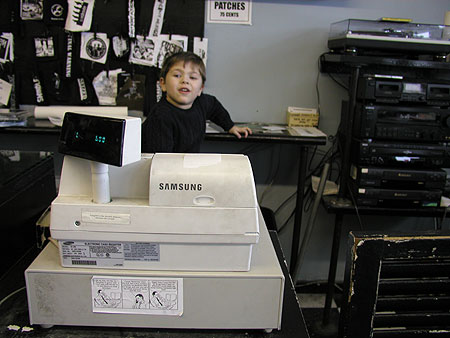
185	57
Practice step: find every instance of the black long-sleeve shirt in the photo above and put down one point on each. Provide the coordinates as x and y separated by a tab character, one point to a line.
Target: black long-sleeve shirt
171	129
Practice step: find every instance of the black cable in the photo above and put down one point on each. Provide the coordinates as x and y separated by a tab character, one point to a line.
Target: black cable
11	294
285	202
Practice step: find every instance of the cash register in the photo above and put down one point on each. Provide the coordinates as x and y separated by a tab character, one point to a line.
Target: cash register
152	240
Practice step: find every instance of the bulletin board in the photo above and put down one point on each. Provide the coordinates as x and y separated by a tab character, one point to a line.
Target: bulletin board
43	45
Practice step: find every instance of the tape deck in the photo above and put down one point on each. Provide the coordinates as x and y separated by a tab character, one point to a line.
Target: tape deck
417	123
376	197
398	178
395	89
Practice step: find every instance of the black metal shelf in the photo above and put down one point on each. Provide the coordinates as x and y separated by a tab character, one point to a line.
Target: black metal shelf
352	67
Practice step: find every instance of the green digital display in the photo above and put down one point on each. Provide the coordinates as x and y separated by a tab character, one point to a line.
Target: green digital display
100	139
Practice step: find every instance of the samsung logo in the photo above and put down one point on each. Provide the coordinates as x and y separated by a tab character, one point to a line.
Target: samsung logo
180	186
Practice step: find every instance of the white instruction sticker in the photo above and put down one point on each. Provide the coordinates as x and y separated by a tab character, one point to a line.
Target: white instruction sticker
156	296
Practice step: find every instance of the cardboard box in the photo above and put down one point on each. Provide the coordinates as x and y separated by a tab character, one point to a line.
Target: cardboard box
302	117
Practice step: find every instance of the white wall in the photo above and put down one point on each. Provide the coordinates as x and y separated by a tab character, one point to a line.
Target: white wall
258	71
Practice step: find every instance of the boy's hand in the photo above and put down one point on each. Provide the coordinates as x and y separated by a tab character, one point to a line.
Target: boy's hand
235	130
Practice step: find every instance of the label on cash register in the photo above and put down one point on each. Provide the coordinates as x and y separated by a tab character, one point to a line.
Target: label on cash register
107	254
137	295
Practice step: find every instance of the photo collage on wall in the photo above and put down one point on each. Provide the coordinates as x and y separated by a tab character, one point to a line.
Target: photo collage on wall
93	52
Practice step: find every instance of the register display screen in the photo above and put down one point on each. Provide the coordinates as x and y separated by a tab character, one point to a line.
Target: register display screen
94	138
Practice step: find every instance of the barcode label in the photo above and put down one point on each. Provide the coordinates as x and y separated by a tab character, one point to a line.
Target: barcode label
84	262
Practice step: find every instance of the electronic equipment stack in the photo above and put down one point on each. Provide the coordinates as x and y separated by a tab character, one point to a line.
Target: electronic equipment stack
399	141
396	124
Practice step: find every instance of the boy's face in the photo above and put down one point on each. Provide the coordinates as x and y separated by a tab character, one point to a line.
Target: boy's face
183	83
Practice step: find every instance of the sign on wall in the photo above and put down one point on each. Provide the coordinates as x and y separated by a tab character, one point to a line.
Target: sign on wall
234	12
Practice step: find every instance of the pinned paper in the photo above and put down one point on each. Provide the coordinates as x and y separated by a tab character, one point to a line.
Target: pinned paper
182	39
79	16
84	96
166	48
143	50
5	92
94	47
132	91
131	19
120	46
105	85
6	47
40	99
69	51
201	48
55	11
159	9
31	9
44	47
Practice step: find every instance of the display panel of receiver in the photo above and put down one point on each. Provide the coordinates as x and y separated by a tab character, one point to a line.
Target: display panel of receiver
408	123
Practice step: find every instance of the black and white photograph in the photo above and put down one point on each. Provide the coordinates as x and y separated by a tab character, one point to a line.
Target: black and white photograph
131	91
120	46
31	9
201	48
143	51
167	47
44	47
4	47
182	39
5	92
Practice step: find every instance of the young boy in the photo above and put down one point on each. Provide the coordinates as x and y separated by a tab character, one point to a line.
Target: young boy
177	122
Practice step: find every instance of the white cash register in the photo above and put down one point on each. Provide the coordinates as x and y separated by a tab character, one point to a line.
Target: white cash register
153	240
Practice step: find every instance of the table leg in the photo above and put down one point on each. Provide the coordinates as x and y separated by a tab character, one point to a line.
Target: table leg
333	266
298	211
